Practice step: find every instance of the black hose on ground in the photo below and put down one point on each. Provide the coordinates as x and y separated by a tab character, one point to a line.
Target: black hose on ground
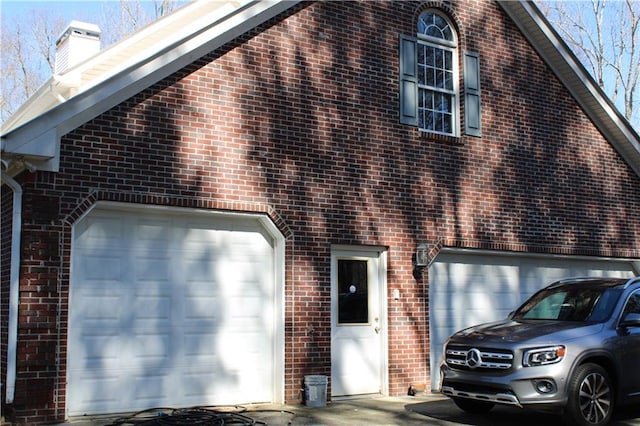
196	416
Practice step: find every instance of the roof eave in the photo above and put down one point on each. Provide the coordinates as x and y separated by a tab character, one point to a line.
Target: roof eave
51	93
564	63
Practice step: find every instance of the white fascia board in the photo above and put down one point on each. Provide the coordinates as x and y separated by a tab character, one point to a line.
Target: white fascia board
566	66
40	150
39	146
41	136
51	93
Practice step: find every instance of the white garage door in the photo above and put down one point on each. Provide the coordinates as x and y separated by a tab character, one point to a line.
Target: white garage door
467	288
171	309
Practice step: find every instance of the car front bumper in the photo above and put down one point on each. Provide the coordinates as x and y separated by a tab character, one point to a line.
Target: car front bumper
519	388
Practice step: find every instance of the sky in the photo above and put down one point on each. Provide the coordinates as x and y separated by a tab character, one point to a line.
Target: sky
87	11
104	13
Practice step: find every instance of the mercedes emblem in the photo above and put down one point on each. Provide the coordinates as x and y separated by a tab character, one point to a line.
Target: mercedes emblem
473	359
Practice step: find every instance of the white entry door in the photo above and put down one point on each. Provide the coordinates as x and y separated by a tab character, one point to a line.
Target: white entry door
357	323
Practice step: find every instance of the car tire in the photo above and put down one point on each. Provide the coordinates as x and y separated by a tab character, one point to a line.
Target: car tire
473	406
590	396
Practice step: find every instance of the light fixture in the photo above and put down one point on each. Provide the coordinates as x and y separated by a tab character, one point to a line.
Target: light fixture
421	255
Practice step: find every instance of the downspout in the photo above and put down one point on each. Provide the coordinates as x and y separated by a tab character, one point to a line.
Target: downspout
14	282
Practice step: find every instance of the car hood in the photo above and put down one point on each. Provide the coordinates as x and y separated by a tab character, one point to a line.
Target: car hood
525	330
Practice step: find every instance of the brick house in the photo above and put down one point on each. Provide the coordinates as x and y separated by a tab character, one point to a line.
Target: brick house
246	193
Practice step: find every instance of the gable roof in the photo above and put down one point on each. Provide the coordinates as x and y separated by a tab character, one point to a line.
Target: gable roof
32	136
68	100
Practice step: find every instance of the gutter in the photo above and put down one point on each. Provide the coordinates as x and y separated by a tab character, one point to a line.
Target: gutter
14	282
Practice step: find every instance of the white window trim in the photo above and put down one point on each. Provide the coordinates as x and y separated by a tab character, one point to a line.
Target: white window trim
453	47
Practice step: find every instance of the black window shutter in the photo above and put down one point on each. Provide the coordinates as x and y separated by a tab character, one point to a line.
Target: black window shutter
408	81
472	113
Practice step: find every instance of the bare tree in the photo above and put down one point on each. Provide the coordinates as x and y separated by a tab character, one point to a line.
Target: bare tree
605	36
28	45
127	16
27	57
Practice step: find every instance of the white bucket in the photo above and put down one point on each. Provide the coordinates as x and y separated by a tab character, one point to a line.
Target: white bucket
315	391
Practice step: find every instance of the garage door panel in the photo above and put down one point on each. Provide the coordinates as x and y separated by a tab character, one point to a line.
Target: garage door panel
201	266
200	308
101	307
186	320
243	346
150	347
151	387
468	288
100	231
152	268
459	317
152	308
200	383
101	390
461	307
99	351
201	345
101	267
155	231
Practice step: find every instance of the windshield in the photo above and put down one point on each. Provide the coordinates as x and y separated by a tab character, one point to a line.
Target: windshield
569	303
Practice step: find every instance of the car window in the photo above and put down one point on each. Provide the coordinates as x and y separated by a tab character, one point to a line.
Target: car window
602	310
547	308
573	304
633	304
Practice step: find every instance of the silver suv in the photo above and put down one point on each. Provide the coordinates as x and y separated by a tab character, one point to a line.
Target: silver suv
572	348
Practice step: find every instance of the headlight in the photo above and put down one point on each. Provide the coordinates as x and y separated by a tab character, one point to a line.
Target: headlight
543	356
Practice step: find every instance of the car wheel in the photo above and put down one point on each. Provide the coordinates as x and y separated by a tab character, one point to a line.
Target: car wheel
590	397
473	406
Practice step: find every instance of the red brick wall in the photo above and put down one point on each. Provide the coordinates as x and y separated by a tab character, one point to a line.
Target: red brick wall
300	121
38	332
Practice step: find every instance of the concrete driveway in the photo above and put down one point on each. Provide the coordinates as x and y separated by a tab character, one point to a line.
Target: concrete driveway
445	413
414	411
404	411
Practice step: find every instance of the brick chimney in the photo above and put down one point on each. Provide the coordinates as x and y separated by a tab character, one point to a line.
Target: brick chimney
77	43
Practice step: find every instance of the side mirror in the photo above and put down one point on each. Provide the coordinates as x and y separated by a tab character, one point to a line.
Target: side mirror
630	320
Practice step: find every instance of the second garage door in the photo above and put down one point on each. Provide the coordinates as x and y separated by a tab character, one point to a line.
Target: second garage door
469	287
172	308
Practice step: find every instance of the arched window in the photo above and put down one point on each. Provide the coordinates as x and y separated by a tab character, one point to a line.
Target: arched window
429	92
437	74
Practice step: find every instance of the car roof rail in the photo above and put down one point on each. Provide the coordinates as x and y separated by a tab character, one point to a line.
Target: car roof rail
621	280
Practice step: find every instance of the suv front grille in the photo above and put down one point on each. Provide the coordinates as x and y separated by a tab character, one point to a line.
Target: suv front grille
479	359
